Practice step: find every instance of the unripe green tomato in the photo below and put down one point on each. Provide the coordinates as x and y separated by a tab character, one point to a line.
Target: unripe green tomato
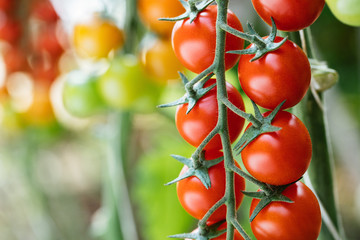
125	86
347	11
80	94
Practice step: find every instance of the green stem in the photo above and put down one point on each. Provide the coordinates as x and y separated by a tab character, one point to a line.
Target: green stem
116	188
222	119
322	167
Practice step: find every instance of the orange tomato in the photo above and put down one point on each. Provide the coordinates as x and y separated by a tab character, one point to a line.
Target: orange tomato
160	61
151	11
97	38
40	112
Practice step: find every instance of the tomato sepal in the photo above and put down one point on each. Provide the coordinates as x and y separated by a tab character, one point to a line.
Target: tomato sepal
192	95
197	167
254	131
260	46
203	233
192	9
272	194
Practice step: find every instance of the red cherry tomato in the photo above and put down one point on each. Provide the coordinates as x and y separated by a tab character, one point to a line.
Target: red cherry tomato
10	29
7	5
44	10
14	59
237	235
197	200
280	157
48	41
289	15
300	220
285	75
202	119
194	43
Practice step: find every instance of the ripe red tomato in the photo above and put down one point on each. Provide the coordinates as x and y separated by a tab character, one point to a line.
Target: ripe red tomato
97	38
10	29
47	41
202	119
151	11
14	59
285	75
237	235
289	15
7	5
300	220
280	157
194	43
44	10
197	200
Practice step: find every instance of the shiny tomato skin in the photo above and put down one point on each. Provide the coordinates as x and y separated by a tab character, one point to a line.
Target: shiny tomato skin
151	11
202	119
280	157
285	75
97	38
194	43
237	235
289	15
300	220
197	200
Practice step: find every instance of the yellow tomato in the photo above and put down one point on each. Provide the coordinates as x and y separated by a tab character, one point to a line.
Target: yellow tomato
97	38
160	61
151	10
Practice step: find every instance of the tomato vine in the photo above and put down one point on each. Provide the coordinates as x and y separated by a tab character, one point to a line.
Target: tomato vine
272	192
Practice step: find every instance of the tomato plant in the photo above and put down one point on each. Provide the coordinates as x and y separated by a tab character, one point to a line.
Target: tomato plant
160	61
280	157
151	11
80	94
202	119
300	220
194	42
125	85
347	11
283	12
285	75
197	200
97	38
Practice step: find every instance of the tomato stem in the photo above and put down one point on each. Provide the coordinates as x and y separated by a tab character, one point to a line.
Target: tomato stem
321	170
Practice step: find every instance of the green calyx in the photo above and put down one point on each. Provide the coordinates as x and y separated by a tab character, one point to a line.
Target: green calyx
203	233
197	167
193	93
263	126
192	9
271	194
260	46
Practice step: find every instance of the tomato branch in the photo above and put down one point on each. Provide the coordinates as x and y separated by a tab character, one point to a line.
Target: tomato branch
202	222
251	118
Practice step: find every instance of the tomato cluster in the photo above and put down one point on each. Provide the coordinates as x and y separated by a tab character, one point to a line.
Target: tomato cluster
30	59
278	158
